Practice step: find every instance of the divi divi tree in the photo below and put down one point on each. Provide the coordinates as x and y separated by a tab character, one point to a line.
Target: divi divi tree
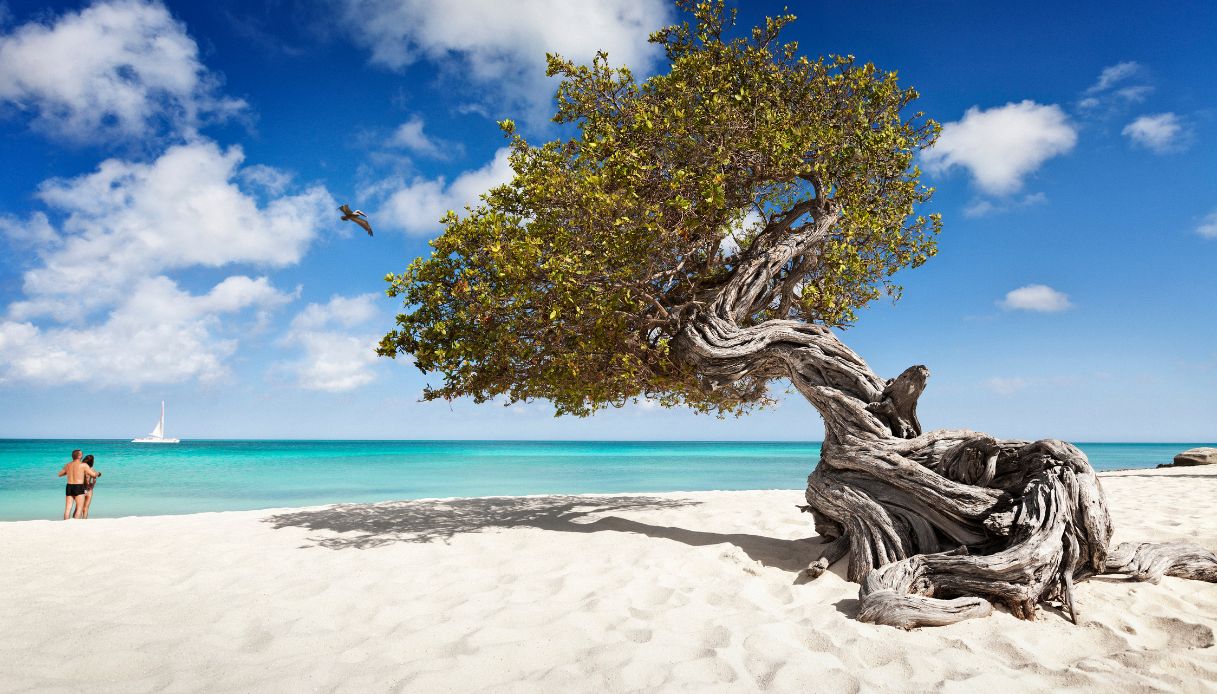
702	234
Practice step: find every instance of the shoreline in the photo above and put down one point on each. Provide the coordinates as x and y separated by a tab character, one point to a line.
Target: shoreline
1164	471
260	512
224	476
595	593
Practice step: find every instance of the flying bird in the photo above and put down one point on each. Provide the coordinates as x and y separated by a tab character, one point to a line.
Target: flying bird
357	216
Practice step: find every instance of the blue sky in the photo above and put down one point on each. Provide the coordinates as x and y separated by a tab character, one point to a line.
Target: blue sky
167	223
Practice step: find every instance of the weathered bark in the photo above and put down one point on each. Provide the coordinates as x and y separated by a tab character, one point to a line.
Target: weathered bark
897	405
936	526
1150	562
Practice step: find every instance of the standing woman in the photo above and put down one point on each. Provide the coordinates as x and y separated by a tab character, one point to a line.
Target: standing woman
90	483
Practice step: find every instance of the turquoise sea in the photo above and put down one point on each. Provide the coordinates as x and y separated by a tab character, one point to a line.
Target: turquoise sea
195	476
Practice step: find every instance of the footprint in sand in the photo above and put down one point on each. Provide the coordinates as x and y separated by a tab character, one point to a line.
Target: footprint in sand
655	595
716	637
638	635
782	594
1181	634
258	639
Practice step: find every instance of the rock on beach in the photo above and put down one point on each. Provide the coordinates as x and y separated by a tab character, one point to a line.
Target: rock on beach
1197	456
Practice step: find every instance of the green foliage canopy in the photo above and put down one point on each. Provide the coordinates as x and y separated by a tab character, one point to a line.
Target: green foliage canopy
570	282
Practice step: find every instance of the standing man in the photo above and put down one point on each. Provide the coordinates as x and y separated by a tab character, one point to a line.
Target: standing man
76	472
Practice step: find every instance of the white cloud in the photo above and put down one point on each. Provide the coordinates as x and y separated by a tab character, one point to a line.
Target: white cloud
346	311
1208	226
981	207
1135	94
501	46
124	69
334	361
35	231
1160	133
1114	74
410	136
1035	297
158	334
1117	86
1006	385
418	206
268	178
130	220
1002	145
98	305
730	243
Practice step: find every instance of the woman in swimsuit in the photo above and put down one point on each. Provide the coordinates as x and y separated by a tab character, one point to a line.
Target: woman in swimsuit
90	482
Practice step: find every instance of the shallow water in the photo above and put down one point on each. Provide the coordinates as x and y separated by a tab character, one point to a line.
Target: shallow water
196	476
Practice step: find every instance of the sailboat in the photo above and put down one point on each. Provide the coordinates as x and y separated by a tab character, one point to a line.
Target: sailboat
158	434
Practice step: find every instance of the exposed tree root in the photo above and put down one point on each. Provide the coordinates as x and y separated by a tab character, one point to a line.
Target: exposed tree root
944	525
1150	562
940	526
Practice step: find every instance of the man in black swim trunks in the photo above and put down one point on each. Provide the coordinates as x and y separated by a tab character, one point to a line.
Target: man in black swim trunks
76	472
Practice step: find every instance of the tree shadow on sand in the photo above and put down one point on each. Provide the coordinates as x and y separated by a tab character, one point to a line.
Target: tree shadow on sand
362	526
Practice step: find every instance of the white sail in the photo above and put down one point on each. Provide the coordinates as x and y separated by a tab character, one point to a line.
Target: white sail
159	431
158	434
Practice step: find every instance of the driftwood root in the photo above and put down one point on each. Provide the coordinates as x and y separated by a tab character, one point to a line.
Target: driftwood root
943	526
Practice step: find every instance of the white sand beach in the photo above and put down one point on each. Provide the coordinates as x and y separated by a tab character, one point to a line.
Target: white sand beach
665	592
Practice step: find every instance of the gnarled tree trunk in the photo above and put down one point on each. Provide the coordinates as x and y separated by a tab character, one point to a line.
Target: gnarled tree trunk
937	526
